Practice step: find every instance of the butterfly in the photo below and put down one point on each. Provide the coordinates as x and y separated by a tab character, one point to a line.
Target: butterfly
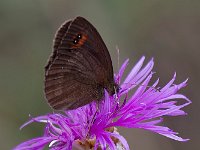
80	67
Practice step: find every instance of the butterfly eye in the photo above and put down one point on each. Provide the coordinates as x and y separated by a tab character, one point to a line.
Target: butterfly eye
79	36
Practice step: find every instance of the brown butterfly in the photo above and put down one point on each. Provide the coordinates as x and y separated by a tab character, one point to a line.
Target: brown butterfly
80	67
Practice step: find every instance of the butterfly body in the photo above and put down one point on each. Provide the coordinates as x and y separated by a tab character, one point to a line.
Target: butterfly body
80	67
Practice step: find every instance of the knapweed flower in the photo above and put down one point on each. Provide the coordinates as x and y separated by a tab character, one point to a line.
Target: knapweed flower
94	127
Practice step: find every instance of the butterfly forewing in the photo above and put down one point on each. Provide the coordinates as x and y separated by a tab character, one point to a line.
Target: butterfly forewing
57	41
80	67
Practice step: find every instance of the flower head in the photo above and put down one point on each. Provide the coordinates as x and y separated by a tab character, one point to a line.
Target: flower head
94	126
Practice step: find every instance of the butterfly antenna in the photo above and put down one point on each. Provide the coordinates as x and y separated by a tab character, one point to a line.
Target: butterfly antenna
117	57
116	92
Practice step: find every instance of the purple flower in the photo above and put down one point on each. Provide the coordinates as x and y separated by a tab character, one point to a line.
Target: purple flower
95	127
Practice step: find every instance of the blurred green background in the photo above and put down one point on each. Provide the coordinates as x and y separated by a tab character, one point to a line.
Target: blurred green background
169	31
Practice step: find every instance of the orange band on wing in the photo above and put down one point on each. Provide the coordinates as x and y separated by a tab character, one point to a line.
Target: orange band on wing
81	41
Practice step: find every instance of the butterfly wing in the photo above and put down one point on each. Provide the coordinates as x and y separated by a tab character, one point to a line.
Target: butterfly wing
79	68
93	43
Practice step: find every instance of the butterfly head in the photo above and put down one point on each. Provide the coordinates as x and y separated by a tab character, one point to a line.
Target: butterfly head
112	88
